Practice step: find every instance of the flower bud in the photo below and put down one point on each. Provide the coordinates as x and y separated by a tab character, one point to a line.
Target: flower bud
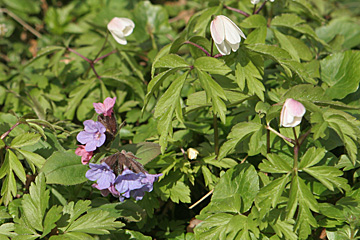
226	34
254	1
291	113
121	28
192	153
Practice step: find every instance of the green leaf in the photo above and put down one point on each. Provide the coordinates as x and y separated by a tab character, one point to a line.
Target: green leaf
178	192
165	109
214	92
213	226
211	65
147	151
275	164
203	19
25	140
76	97
311	157
171	61
16	166
43	52
329	177
340	71
64	168
271	193
128	210
237	134
35	204
96	222
7	229
254	21
52	216
33	158
2	144
236	190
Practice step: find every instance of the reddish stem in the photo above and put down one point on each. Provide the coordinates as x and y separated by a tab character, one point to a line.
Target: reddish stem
261	7
106	55
8	131
199	47
237	10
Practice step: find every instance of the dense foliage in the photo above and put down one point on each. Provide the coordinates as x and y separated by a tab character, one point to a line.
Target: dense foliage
263	137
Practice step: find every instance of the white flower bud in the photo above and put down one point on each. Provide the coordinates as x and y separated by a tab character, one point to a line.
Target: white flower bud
291	113
121	28
192	153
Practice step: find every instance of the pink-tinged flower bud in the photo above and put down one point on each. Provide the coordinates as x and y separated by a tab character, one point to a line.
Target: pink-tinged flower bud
227	36
291	113
121	28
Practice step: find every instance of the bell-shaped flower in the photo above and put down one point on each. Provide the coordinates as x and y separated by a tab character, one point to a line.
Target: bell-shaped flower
105	108
102	174
227	36
121	28
85	155
291	113
93	136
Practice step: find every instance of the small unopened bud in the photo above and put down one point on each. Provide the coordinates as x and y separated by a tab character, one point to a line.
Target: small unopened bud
192	153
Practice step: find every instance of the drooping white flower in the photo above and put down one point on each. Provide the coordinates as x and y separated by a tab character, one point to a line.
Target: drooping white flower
291	113
227	36
121	28
192	153
254	1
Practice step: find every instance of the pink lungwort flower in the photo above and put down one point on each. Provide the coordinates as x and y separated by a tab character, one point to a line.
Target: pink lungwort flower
105	108
85	155
291	113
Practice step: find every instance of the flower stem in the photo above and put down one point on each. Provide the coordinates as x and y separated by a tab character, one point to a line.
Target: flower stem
268	141
296	152
8	131
280	135
199	47
216	135
104	56
261	7
237	10
83	57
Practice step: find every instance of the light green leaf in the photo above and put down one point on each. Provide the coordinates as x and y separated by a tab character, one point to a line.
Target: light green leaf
171	61
214	92
35	204
236	190
25	139
52	216
7	229
128	210
177	192
43	52
340	71
275	164
31	157
211	65
311	157
254	21
64	168
16	166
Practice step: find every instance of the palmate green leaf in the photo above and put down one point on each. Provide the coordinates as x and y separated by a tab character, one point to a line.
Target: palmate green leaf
340	71
237	134
64	168
329	177
32	158
7	229
76	97
300	195
211	65
96	222
128	210
271	193
166	107
35	204
52	216
236	190
214	92
275	164
25	140
177	192
171	61
213	227
248	72
311	157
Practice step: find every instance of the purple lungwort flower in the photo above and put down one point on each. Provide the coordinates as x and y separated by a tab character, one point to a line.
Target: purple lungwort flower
93	136
131	184
102	174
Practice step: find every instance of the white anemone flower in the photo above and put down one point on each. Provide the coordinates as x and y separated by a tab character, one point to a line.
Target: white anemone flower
192	153
291	113
227	36
254	1
121	28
